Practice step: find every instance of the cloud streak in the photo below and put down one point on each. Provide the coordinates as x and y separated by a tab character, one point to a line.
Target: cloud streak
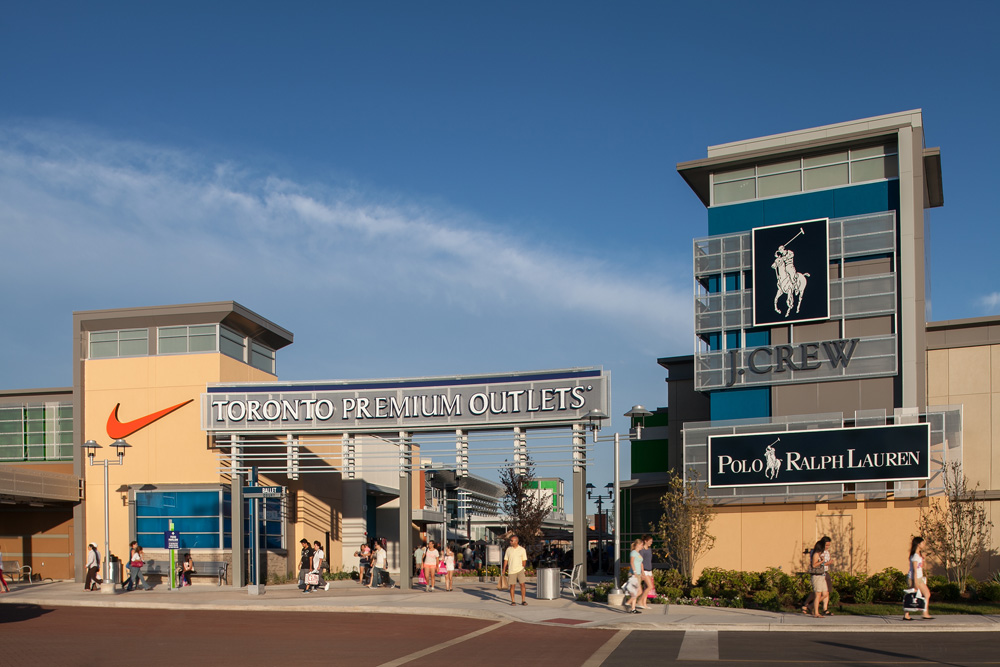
142	223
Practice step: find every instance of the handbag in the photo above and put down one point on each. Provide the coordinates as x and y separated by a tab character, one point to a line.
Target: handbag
312	578
502	582
442	567
137	563
817	571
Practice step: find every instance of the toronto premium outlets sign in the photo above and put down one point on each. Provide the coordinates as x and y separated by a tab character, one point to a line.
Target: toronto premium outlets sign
830	456
545	398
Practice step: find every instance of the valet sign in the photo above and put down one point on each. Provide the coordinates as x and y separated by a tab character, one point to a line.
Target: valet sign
543	398
829	456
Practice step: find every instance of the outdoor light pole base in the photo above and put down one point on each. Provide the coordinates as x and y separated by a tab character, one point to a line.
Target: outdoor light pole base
255	589
109	588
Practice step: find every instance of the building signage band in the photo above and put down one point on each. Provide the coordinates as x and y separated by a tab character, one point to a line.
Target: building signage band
791	272
828	456
545	398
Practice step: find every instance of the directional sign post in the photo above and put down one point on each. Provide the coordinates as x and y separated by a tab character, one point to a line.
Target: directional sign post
172	542
255	494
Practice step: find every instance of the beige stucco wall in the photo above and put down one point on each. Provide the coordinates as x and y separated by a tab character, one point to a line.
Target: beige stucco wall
172	450
868	536
970	377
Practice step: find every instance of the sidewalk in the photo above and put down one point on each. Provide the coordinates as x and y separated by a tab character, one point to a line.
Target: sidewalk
477	599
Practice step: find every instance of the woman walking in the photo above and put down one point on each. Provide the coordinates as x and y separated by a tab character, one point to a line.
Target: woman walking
136	564
635	581
449	562
430	565
917	578
3	582
818	575
93	567
826	573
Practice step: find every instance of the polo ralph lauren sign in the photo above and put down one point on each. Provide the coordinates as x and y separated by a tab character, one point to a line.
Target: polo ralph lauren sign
829	456
791	273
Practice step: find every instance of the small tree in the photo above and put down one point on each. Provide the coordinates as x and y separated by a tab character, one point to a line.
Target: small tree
956	530
683	527
523	508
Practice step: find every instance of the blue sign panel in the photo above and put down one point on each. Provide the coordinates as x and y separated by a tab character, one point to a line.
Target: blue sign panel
263	491
831	456
171	539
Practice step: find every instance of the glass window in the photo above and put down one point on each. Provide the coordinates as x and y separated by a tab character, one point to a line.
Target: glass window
778	167
820	160
262	357
826	177
874	169
872	151
36	432
726	193
121	343
779	184
196	516
184	339
201	338
171	340
232	344
733	175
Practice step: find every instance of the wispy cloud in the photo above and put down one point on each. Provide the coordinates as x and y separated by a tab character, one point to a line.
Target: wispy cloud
142	224
989	303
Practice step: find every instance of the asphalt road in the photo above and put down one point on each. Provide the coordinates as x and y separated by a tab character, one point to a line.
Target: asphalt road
55	636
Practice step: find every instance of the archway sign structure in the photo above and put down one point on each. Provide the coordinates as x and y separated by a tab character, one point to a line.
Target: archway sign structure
377	433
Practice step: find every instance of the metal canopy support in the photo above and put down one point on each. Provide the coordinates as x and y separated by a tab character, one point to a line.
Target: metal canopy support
237	482
520	451
349	456
405	511
461	453
580	500
292	449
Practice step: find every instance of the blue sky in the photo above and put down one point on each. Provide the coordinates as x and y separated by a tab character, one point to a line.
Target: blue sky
448	187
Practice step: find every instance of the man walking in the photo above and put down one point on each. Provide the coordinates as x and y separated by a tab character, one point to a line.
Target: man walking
93	566
514	561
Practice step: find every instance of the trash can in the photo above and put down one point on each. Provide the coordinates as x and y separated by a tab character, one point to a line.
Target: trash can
547	583
114	569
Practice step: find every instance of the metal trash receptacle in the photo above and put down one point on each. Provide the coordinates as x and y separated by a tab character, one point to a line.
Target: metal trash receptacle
547	583
114	570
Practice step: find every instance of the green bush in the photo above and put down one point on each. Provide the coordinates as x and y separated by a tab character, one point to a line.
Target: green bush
988	591
887	585
949	592
846	584
935	582
714	579
834	597
864	594
673	593
696	592
729	594
779	581
767	600
664	579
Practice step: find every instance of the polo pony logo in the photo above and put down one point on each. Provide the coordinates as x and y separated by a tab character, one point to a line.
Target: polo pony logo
791	283
773	462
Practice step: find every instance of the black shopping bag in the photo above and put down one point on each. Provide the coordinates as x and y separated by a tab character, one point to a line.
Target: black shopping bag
913	600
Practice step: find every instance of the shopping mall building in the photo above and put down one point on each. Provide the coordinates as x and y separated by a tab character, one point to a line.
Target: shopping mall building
193	391
818	399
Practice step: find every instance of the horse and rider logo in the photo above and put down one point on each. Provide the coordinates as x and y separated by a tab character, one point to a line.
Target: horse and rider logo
773	462
786	259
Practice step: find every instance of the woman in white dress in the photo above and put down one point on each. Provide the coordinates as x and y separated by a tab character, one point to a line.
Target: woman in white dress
917	578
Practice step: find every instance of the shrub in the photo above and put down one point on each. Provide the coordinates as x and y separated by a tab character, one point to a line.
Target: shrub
778	580
673	593
988	591
936	581
950	592
834	597
887	585
767	600
864	595
664	579
696	592
729	594
846	584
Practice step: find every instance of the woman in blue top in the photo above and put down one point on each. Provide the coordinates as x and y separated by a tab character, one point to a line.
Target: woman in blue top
634	585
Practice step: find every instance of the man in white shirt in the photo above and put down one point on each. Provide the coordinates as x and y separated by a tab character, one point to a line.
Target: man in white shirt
515	560
381	576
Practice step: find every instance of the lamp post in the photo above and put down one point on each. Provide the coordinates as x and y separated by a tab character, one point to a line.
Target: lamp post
595	417
600	498
91	447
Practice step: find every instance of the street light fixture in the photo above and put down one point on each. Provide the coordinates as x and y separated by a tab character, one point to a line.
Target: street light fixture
91	448
637	414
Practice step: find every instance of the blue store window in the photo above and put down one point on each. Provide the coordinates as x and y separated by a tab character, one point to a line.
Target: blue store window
196	516
272	523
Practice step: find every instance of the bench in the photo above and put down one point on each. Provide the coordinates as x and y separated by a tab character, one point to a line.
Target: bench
12	567
203	568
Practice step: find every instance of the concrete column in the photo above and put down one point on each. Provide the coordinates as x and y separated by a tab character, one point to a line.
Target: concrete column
237	573
405	511
580	498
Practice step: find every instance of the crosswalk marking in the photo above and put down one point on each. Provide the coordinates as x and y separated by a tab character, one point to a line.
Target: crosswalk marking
601	654
443	645
699	645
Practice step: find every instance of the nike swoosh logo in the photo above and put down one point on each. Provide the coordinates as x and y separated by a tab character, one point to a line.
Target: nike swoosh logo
117	429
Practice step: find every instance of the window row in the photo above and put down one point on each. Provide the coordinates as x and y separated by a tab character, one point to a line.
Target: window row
182	340
203	519
816	172
36	432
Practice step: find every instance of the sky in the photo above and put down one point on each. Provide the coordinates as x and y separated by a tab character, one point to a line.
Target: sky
438	188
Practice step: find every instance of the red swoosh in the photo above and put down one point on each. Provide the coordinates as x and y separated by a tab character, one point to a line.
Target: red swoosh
117	430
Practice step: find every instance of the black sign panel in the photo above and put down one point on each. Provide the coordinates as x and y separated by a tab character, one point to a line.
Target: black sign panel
832	456
791	273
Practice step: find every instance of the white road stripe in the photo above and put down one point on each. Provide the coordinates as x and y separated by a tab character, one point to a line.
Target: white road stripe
699	645
443	645
601	654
